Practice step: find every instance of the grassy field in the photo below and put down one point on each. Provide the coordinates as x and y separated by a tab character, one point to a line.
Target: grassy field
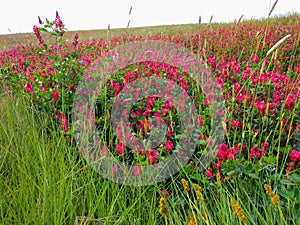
253	179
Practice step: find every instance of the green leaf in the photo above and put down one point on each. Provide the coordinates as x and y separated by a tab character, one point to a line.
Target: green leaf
55	58
254	176
295	178
286	182
289	194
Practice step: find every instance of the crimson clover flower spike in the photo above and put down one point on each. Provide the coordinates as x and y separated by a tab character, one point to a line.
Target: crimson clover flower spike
57	15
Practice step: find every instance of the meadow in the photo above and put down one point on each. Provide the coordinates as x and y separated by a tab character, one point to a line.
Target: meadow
254	175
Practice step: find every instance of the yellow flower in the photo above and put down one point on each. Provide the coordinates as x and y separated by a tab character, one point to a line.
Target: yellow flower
204	215
237	210
197	187
268	189
218	182
198	193
163	207
275	198
193	220
230	177
185	185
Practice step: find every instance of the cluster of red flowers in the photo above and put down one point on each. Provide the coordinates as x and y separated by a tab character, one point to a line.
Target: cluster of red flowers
259	91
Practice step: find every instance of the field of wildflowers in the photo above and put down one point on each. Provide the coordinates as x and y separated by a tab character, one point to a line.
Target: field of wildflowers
253	178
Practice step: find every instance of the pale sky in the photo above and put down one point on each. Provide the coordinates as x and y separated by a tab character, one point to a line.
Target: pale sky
20	15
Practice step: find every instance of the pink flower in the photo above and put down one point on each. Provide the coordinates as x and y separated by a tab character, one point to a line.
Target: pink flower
254	58
255	152
152	156
28	88
114	170
170	133
58	23
200	121
64	122
209	173
117	88
264	147
121	148
219	83
289	103
235	123
104	151
55	95
202	137
224	153
150	100
36	30
261	106
137	170
38	35
165	193
168	105
164	111
75	41
169	145
295	156
43	87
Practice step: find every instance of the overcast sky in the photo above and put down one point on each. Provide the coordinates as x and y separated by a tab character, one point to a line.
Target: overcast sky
20	15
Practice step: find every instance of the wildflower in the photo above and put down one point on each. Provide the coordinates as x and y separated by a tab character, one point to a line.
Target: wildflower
43	87
152	156
235	123
230	177
114	170
295	156
40	21
264	147
261	106
237	210
169	145
199	193
164	111
289	103
137	170
55	95
185	185
38	35
224	153
121	148
163	207
169	105
64	122
275	198
218	183
209	173
255	152
58	23
75	41
165	193
170	133
193	220
204	215
28	88
254	58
